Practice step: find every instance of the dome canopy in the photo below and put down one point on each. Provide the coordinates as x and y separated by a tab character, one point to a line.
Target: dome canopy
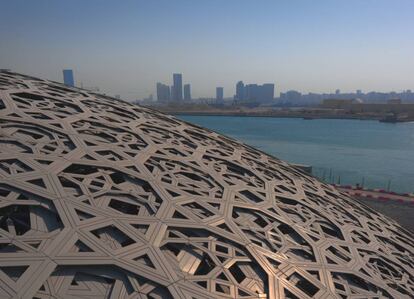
100	198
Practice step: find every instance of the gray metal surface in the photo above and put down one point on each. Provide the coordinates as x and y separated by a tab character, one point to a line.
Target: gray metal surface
103	199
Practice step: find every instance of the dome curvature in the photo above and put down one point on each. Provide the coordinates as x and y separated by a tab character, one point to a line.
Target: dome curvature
100	198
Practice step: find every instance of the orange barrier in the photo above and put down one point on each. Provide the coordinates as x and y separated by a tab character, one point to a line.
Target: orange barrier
378	194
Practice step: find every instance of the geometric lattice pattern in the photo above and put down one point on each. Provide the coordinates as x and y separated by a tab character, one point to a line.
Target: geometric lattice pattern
100	198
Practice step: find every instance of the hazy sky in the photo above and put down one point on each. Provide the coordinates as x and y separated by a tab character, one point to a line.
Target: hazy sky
125	47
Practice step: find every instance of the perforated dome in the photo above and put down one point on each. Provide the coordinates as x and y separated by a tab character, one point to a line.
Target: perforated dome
100	198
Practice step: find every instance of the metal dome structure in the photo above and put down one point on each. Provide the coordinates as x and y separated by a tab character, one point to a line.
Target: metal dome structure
100	198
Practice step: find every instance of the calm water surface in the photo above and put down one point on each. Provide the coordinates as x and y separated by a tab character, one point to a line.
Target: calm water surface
349	151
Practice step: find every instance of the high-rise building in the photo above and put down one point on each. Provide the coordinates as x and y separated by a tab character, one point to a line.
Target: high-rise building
239	91
163	92
337	91
178	87
187	92
267	92
68	78
219	93
251	92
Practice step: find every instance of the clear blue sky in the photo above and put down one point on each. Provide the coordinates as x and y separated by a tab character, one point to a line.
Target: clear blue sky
125	47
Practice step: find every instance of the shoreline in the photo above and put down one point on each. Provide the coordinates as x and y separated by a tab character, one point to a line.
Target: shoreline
318	171
305	116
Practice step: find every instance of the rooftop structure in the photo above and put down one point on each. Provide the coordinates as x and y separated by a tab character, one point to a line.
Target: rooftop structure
100	198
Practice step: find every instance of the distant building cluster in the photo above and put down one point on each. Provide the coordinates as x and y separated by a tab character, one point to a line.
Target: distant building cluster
254	92
295	98
175	93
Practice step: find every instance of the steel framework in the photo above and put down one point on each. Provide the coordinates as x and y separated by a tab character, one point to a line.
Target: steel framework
100	198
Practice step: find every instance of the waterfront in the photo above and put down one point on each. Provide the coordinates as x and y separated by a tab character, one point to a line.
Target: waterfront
379	155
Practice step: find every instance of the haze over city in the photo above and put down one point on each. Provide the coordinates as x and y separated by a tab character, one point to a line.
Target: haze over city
126	47
207	149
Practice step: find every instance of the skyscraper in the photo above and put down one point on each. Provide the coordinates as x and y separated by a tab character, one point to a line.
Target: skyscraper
240	91
219	93
163	92
178	87
267	92
187	92
68	78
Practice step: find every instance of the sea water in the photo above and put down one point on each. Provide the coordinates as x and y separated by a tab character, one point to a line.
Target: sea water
377	155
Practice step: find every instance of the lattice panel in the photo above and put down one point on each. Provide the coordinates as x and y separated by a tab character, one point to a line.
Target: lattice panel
100	198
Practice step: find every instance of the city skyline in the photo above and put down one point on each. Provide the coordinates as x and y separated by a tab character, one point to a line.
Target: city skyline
299	45
254	92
